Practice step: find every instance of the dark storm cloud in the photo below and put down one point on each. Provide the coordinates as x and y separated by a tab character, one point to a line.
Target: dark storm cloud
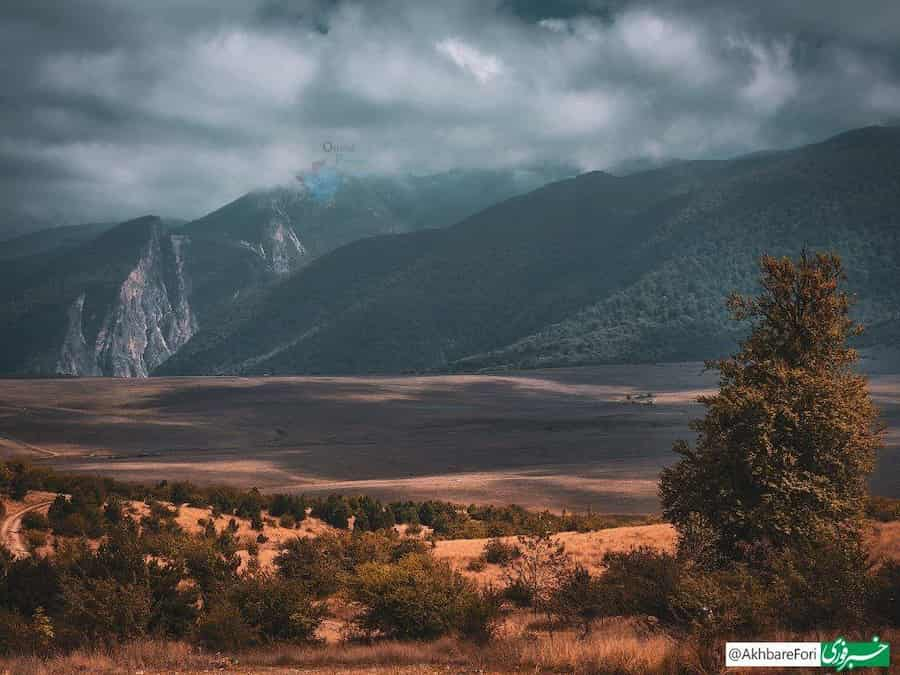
110	109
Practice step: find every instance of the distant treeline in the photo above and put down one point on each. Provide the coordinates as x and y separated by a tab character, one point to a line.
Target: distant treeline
89	494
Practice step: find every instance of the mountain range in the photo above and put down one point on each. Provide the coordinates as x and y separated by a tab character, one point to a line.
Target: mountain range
119	299
459	271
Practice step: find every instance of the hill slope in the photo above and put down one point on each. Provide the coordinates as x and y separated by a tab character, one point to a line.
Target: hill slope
586	270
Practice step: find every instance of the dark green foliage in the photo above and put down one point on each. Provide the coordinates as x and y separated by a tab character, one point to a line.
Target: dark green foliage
823	584
323	564
370	514
81	515
173	605
34	520
292	505
334	510
249	504
222	626
885	593
276	609
420	598
497	552
640	582
578	599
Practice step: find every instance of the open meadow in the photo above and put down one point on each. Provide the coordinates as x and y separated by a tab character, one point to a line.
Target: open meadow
575	438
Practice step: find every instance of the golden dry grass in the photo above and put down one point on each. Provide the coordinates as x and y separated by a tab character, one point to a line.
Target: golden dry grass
585	548
189	518
614	646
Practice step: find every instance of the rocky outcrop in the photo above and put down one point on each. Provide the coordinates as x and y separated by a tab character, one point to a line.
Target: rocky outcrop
148	321
280	246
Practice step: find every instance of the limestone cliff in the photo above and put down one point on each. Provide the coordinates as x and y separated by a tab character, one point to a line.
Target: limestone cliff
147	321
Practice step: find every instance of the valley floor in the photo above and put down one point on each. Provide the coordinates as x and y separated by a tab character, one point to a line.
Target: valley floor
578	438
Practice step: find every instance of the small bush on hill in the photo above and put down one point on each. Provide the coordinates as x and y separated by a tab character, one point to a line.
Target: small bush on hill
420	598
35	521
640	582
496	552
276	609
222	627
578	599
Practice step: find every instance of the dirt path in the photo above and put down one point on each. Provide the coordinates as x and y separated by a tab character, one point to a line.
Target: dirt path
16	445
11	528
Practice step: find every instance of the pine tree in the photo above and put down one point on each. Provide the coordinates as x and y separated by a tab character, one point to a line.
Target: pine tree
784	450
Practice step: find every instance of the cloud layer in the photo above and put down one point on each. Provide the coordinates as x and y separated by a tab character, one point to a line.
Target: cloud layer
113	109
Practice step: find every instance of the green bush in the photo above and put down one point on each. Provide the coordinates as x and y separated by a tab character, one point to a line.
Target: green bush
496	552
578	599
821	585
276	609
35	521
102	611
318	563
733	601
420	598
885	593
640	582
222	627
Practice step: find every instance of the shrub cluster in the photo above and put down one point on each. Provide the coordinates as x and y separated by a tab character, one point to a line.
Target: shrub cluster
452	521
83	514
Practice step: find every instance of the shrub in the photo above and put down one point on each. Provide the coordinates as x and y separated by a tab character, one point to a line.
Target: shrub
276	609
885	593
406	546
640	582
18	635
518	593
820	585
35	521
35	539
496	552
537	571
419	598
317	563
101	611
578	599
223	627
173	610
476	565
288	521
732	601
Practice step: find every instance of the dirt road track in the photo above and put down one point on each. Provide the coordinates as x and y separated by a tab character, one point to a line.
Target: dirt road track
11	528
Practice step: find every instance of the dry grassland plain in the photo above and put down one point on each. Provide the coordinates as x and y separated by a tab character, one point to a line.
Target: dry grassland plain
561	438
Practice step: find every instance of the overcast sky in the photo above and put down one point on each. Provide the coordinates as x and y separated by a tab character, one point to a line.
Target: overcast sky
110	109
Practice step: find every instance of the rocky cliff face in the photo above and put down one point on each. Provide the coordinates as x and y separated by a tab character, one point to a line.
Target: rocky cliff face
149	319
279	245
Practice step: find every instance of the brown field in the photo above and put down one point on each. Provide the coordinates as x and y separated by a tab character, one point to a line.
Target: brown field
565	438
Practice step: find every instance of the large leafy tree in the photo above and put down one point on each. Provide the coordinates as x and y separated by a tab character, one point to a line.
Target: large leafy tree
782	455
